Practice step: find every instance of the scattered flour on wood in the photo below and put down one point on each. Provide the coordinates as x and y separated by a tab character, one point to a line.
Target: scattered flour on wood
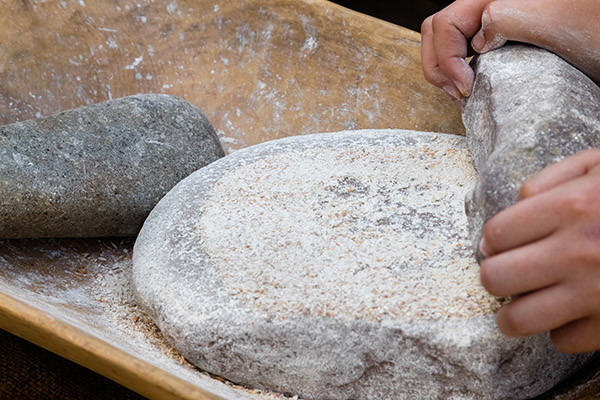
370	232
109	292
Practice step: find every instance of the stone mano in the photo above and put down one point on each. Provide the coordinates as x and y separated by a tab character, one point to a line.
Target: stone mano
98	170
529	109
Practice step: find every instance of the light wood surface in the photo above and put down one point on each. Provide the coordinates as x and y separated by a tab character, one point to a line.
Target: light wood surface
74	344
259	69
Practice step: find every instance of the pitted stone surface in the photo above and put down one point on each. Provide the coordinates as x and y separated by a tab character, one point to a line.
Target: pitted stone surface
529	109
335	266
98	170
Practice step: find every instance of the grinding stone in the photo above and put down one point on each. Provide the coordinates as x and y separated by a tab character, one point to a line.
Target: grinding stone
98	170
529	109
335	266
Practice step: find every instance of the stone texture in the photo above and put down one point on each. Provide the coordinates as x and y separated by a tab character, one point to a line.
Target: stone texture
98	170
529	109
335	266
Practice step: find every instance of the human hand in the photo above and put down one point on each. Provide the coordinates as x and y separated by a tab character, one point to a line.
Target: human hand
547	249
565	27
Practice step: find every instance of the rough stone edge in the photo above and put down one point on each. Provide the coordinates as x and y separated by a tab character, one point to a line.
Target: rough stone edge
529	109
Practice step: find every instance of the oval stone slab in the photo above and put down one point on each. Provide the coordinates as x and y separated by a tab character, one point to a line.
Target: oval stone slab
335	266
98	170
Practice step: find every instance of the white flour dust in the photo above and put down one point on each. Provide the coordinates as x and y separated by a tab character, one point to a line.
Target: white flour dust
374	233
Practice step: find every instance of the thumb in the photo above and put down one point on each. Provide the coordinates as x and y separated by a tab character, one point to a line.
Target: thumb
565	27
504	20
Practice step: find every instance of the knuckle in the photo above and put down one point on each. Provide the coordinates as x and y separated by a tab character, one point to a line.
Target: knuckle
491	16
439	21
577	203
429	75
432	75
586	253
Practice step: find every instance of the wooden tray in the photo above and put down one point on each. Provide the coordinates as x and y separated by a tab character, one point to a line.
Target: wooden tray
73	297
259	69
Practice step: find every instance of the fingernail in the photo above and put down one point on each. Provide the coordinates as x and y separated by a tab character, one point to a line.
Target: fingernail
482	45
478	42
497	42
464	90
452	92
484	248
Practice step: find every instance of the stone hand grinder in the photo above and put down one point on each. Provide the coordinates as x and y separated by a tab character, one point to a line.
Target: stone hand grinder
529	109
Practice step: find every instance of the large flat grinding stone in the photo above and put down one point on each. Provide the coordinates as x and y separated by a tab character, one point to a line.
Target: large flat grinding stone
335	266
98	170
529	109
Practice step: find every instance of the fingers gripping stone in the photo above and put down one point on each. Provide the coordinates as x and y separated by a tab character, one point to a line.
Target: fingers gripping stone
529	109
98	170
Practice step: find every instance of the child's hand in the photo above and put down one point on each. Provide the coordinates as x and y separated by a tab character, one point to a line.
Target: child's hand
566	27
547	248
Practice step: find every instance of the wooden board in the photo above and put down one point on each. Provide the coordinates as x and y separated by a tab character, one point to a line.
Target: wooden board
259	69
73	297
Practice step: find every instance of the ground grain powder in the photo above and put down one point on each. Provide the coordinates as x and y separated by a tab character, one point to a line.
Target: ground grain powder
368	233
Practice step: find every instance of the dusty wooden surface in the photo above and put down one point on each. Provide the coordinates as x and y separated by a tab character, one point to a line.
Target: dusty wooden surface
259	69
40	327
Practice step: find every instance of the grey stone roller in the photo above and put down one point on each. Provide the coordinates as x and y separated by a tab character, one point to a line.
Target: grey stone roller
529	109
98	170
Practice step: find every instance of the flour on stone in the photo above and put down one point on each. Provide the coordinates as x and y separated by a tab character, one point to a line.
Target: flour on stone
358	232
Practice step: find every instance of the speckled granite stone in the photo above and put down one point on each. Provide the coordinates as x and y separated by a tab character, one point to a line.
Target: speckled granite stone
98	170
335	266
529	109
